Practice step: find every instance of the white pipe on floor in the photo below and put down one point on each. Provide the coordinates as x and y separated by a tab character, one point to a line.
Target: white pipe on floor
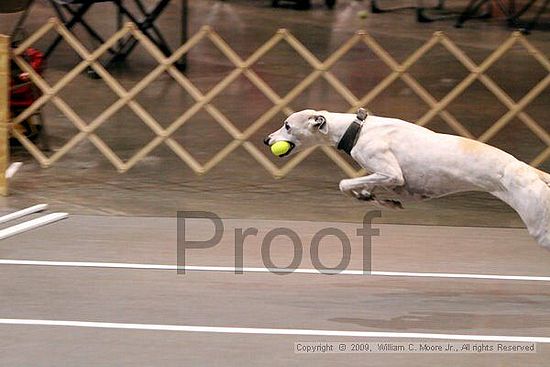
24	212
31	224
12	169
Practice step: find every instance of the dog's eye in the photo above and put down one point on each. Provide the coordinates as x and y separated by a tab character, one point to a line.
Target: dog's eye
287	126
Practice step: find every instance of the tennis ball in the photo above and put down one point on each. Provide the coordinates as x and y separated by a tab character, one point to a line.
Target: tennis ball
363	14
280	148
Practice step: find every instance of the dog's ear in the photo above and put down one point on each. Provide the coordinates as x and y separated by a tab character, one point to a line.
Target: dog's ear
319	122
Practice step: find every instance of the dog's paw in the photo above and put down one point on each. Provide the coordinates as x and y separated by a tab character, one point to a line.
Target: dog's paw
364	196
392	204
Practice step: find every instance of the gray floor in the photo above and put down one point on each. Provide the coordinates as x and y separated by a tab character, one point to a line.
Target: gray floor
295	301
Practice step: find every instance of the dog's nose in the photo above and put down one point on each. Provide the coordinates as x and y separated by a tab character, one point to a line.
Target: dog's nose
266	140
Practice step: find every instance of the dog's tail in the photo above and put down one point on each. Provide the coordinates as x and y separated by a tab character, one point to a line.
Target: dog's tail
527	190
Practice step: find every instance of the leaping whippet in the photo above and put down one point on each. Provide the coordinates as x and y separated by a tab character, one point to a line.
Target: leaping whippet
414	163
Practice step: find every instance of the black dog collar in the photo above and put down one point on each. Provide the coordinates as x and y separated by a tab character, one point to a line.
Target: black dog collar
348	140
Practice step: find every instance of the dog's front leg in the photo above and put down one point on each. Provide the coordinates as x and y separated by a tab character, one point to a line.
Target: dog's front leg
361	187
377	158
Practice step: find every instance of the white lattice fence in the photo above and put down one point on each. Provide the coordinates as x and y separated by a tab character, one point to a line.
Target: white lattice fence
320	69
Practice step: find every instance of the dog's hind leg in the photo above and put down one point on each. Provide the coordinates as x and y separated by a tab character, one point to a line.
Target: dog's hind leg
543	176
528	193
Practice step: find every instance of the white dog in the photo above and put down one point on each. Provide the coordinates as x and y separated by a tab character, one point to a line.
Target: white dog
414	163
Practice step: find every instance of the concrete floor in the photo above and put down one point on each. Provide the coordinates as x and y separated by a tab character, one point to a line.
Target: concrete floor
294	301
129	218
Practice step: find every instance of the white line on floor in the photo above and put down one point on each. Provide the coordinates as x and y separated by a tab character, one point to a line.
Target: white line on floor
268	331
24	212
231	269
31	224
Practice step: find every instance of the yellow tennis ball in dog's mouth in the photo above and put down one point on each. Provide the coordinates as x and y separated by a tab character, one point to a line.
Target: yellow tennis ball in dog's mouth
363	14
280	148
